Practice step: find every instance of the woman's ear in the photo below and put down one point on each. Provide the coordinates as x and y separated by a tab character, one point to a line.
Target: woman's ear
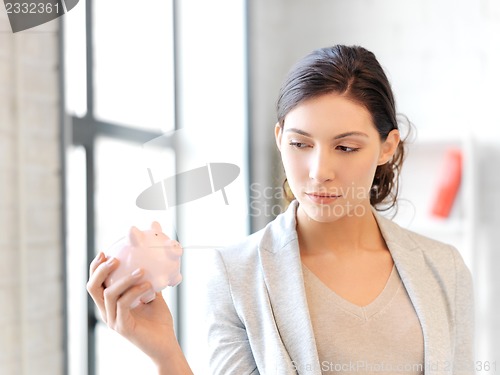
389	146
277	134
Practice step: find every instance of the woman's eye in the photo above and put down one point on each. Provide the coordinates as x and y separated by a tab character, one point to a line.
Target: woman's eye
298	144
347	149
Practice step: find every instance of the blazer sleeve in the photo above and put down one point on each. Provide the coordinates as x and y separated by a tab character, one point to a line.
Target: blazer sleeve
229	347
464	319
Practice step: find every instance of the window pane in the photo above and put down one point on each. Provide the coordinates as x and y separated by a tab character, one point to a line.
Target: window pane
76	260
121	175
75	63
115	355
216	132
133	69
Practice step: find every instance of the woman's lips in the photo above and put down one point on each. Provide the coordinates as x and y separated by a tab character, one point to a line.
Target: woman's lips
322	198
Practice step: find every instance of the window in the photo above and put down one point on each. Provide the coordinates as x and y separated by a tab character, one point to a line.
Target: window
175	69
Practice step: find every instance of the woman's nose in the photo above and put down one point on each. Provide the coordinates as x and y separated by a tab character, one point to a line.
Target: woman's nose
321	166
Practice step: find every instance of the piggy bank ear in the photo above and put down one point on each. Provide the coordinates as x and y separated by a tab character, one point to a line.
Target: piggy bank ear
135	236
156	226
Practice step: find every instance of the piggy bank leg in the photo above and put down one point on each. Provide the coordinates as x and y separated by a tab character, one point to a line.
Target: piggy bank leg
176	280
148	297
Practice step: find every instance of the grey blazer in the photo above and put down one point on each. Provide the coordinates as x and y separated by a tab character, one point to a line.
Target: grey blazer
258	319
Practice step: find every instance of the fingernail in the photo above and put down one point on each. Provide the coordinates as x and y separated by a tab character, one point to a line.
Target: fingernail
100	256
137	273
110	261
136	303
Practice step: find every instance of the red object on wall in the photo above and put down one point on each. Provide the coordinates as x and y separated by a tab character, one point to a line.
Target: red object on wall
449	183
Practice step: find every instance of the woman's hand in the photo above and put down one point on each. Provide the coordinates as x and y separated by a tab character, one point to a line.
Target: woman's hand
149	326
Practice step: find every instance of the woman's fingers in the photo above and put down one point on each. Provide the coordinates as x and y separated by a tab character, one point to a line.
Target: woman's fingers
115	293
129	300
115	301
100	268
95	263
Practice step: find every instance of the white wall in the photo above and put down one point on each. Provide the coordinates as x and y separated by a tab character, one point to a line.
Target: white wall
31	289
442	57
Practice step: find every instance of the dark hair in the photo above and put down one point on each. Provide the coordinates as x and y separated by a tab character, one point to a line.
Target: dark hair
355	73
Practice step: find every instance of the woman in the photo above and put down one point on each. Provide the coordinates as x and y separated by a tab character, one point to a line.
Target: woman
329	285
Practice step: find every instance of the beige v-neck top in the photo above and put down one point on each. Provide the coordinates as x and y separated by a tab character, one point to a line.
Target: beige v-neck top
384	337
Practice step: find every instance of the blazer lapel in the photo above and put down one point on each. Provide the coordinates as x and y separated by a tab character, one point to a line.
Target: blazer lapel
282	269
424	291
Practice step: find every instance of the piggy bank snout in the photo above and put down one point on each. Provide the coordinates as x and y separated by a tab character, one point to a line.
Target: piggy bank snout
173	247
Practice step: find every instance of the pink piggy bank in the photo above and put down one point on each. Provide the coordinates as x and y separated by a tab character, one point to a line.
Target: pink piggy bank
151	250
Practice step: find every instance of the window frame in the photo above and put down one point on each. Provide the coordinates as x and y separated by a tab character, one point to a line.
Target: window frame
84	131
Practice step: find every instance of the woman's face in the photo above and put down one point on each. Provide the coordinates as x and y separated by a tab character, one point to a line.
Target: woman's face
330	150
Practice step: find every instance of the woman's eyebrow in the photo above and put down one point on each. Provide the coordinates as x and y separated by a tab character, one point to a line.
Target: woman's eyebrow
298	131
339	136
348	134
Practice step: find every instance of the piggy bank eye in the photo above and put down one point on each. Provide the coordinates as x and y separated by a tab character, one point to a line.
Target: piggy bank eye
156	234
